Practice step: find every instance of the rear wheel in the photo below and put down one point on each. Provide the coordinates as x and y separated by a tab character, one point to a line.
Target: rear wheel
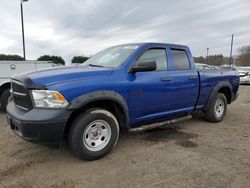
5	98
94	134
217	109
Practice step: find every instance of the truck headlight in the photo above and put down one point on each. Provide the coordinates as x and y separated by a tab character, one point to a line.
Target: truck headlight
49	99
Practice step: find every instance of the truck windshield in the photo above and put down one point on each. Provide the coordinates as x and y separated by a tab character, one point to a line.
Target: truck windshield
111	57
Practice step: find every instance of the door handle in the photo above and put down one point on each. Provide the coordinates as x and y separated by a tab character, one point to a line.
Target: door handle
193	77
166	79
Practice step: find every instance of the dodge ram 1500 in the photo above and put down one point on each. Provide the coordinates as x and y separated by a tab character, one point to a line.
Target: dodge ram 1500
129	86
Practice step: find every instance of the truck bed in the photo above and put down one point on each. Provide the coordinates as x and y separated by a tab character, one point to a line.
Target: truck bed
209	79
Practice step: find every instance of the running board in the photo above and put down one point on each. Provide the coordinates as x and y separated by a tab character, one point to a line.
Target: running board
160	124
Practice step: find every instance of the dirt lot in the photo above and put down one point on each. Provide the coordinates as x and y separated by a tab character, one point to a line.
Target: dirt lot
193	153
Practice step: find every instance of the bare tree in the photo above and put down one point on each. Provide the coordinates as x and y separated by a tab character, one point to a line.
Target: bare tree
244	57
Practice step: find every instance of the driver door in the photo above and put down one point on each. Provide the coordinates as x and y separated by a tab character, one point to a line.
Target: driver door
147	90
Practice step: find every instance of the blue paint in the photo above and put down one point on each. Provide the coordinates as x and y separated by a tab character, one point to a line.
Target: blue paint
147	97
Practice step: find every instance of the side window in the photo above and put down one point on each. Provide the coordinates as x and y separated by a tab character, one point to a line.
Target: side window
180	59
157	55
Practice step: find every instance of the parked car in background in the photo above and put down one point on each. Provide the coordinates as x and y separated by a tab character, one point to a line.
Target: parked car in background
228	67
244	73
215	67
9	68
202	66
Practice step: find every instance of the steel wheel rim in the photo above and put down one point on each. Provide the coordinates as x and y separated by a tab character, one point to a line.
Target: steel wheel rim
97	135
219	108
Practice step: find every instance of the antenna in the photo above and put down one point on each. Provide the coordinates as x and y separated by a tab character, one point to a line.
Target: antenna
231	50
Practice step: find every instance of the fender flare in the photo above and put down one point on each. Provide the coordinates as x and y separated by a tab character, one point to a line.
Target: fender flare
217	87
100	95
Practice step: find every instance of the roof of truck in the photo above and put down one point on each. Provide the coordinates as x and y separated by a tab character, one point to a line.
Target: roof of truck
154	43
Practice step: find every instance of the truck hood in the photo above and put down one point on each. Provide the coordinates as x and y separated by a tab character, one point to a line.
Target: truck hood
57	75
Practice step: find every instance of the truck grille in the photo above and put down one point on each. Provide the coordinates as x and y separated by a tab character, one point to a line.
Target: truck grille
21	95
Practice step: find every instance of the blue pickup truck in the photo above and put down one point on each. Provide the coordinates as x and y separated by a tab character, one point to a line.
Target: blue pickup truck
131	86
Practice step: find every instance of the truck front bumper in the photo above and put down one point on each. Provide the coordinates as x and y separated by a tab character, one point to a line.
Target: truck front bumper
38	125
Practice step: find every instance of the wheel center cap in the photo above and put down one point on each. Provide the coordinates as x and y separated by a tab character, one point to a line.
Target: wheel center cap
95	134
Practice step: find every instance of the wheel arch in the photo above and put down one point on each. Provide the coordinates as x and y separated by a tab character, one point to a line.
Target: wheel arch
222	87
109	100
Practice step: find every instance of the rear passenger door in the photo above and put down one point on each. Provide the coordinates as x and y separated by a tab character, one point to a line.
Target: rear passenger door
184	84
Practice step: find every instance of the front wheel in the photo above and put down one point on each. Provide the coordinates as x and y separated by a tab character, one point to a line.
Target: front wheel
217	109
94	134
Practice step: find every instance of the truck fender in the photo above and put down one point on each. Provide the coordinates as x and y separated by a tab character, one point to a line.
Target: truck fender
217	87
100	95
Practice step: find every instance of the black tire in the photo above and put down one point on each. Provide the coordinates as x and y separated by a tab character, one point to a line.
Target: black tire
213	114
79	130
4	99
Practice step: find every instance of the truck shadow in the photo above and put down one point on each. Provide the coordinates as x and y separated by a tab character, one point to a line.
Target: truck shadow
164	134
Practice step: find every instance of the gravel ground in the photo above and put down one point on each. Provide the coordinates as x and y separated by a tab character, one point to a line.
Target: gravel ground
193	153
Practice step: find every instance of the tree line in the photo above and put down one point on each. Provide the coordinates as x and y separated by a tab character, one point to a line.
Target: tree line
243	59
51	58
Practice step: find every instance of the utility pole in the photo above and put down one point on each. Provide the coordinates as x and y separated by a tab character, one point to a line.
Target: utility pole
21	4
231	50
207	54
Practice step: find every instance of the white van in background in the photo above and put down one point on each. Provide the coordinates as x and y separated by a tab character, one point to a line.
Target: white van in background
9	68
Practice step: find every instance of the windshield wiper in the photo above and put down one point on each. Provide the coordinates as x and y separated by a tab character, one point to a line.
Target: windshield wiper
92	65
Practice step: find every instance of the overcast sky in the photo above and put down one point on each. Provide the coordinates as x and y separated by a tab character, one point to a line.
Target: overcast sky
83	27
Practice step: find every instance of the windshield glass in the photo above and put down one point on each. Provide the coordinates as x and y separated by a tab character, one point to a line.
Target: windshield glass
111	57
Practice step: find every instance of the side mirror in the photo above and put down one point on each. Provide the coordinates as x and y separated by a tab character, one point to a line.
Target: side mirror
144	65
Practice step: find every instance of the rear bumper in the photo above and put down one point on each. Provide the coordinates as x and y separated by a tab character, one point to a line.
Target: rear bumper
38	125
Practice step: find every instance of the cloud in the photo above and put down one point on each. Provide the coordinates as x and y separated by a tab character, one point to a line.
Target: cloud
83	27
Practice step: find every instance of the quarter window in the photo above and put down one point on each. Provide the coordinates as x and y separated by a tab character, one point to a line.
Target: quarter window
180	59
157	55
